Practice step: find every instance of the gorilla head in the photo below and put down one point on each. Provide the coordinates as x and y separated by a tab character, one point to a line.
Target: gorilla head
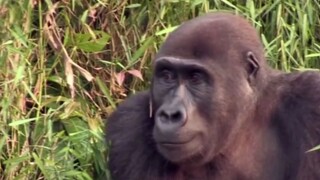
205	85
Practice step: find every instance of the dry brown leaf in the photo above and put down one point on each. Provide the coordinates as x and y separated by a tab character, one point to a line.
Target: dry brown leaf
70	77
52	33
120	77
136	73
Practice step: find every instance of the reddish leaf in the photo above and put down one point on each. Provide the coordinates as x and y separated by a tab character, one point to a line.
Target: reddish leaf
120	77
136	73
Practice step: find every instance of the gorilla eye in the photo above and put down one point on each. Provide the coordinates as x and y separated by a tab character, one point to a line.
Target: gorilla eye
196	78
167	75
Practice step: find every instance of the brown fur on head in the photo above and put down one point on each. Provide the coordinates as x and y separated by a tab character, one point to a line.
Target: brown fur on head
219	37
230	52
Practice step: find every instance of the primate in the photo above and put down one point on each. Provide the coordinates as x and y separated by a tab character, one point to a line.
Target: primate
217	111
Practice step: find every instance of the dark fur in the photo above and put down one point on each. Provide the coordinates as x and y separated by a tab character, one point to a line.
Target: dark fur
280	113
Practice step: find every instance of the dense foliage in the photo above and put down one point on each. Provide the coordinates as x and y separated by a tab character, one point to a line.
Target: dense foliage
64	66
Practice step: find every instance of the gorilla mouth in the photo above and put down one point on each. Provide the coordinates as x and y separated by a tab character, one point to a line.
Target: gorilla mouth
174	144
180	150
178	142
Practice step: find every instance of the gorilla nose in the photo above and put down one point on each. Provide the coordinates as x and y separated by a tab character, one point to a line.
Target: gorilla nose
171	118
171	115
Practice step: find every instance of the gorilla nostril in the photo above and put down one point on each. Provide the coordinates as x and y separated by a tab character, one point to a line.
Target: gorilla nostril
164	117
176	116
172	116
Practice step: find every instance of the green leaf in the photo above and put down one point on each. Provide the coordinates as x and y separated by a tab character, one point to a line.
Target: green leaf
17	160
88	43
23	121
166	31
105	91
133	6
141	51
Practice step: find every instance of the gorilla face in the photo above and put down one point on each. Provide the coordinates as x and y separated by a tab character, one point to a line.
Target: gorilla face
182	90
196	80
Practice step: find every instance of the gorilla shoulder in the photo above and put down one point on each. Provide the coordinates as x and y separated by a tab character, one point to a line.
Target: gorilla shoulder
305	86
129	114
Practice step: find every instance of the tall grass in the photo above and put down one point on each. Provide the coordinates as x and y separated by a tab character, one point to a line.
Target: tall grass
65	65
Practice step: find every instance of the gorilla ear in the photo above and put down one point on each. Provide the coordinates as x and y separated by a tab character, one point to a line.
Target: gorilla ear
253	66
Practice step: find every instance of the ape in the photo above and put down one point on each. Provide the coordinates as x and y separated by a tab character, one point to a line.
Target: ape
216	110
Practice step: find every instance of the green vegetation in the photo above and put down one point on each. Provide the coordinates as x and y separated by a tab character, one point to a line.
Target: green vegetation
65	65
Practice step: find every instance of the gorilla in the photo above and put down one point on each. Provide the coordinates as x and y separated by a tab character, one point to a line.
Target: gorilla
217	111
